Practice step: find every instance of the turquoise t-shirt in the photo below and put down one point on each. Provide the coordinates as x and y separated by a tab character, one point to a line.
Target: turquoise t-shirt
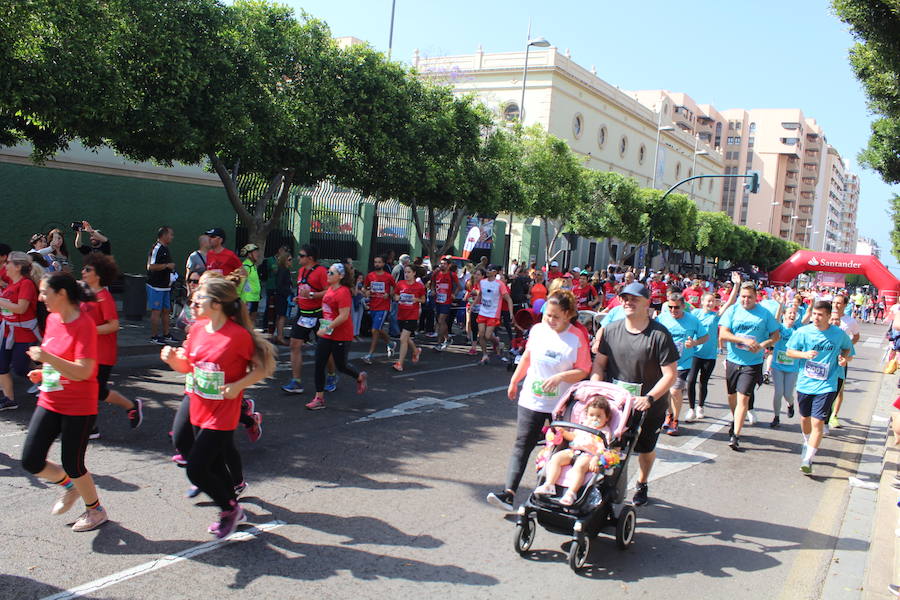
819	375
780	359
688	326
615	314
770	305
756	324
710	321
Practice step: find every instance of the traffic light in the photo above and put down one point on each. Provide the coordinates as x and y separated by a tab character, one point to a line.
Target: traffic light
753	184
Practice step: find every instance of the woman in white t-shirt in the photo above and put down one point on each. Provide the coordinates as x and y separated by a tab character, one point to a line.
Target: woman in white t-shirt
557	355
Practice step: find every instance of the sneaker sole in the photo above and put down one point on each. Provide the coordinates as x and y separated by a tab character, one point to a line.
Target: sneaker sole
139	407
94	526
498	503
300	391
806	469
9	407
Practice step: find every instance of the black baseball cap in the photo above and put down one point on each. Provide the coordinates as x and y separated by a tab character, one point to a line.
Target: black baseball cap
216	231
635	289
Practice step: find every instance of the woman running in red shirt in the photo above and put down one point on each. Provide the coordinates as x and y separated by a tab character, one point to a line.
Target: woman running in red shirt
99	271
335	333
410	295
225	356
67	404
18	324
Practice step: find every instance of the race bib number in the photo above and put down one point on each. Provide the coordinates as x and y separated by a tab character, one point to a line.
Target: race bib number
632	388
743	345
537	388
816	370
308	322
208	383
188	383
324	324
783	359
377	287
487	304
441	298
50	379
5	312
407	298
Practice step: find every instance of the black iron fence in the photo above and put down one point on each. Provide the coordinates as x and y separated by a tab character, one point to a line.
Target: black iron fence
333	221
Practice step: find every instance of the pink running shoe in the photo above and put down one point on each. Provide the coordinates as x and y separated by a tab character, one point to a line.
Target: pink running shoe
362	384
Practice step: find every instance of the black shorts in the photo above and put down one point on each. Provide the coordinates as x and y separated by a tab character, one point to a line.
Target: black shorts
409	326
307	323
817	406
253	306
281	305
653	421
103	372
742	379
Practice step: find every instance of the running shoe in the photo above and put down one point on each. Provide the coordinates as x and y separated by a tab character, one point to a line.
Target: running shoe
330	382
92	518
66	501
431	334
248	406
316	404
751	418
640	495
502	500
34	389
94	434
367	358
673	427
473	351
417	353
806	467
240	488
700	414
397	367
790	411
691	416
293	387
775	422
391	348
179	460
158	340
136	414
766	378
254	432
228	521
834	423
735	443
362	384
192	492
667	423
484	360
7	404
168	339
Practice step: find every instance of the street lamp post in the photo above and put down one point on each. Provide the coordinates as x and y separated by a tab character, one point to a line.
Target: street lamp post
391	32
659	129
538	42
694	163
772	216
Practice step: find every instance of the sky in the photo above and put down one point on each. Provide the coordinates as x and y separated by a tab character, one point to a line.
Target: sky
732	54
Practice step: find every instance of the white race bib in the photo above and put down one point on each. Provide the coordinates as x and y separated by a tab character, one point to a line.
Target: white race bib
783	359
377	287
308	322
816	370
441	298
407	299
50	379
632	388
208	382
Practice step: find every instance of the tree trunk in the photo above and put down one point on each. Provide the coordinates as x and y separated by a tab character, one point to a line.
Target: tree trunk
548	241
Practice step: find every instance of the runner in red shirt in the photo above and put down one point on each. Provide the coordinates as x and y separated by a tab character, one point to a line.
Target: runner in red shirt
18	322
553	272
658	289
311	284
100	270
446	285
220	259
67	405
336	333
224	356
410	295
693	294
378	289
585	293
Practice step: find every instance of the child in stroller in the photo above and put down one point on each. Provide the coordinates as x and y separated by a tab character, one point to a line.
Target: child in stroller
583	452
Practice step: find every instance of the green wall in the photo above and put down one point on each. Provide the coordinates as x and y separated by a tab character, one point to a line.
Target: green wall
126	209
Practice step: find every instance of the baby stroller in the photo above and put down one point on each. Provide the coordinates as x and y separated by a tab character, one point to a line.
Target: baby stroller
526	319
601	500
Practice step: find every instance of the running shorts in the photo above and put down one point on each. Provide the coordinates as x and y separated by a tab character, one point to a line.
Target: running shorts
378	317
653	420
409	326
158	299
681	380
817	406
307	323
488	322
742	379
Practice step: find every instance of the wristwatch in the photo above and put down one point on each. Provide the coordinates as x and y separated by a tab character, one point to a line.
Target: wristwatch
650	398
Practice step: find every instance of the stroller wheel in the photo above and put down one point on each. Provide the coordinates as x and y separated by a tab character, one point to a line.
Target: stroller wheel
625	526
525	532
578	553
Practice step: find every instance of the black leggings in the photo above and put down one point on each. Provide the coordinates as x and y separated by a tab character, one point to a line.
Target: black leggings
529	427
507	323
702	367
327	347
183	439
44	428
206	467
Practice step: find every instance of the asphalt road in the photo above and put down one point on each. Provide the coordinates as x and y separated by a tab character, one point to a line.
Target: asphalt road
358	500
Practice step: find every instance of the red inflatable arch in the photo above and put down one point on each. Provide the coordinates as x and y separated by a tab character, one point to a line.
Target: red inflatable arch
835	262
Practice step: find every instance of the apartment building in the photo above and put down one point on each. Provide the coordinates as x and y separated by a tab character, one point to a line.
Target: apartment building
868	247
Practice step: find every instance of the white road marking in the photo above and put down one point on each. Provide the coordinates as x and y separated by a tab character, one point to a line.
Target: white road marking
415	373
671	460
426	404
165	561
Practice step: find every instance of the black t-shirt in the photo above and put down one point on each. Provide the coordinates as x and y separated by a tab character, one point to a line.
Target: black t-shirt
518	289
103	248
159	255
637	357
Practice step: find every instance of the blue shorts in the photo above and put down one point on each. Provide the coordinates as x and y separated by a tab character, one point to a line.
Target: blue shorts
16	359
442	309
158	300
378	317
817	406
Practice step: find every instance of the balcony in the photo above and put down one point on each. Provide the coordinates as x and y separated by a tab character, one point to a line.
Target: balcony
810	166
810	181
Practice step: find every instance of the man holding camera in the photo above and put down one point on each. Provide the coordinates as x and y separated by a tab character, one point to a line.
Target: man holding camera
97	242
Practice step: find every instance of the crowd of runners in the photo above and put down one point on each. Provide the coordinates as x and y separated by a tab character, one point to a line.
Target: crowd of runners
658	335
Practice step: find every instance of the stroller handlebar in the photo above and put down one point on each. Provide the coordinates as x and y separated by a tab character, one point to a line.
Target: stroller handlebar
591	430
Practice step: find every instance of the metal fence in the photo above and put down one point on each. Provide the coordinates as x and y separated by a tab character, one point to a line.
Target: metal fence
252	188
394	228
333	221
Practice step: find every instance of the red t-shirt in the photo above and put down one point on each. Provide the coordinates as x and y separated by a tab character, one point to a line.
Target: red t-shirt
538	292
609	288
692	295
69	341
333	301
443	286
724	293
408	309
23	289
216	359
657	292
3	275
380	285
225	261
104	311
315	279
614	302
551	275
584	294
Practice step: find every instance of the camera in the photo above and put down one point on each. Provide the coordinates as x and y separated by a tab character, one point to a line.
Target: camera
77	226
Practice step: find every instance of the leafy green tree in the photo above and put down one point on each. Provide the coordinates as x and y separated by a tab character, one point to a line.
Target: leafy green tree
612	211
895	231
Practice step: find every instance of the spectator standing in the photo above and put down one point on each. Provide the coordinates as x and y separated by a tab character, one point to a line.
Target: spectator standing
250	289
159	286
196	260
97	242
220	259
59	253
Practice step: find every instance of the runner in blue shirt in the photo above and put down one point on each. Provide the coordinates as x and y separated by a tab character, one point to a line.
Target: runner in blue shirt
823	350
749	329
688	334
784	368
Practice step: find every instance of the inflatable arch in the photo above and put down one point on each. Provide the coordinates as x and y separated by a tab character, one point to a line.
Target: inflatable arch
835	262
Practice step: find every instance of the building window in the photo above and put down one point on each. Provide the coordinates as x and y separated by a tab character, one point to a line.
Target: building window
791	126
601	136
511	112
577	125
623	145
641	153
677	171
690	172
752	127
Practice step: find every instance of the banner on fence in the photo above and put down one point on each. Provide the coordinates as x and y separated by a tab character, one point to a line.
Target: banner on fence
836	280
486	232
